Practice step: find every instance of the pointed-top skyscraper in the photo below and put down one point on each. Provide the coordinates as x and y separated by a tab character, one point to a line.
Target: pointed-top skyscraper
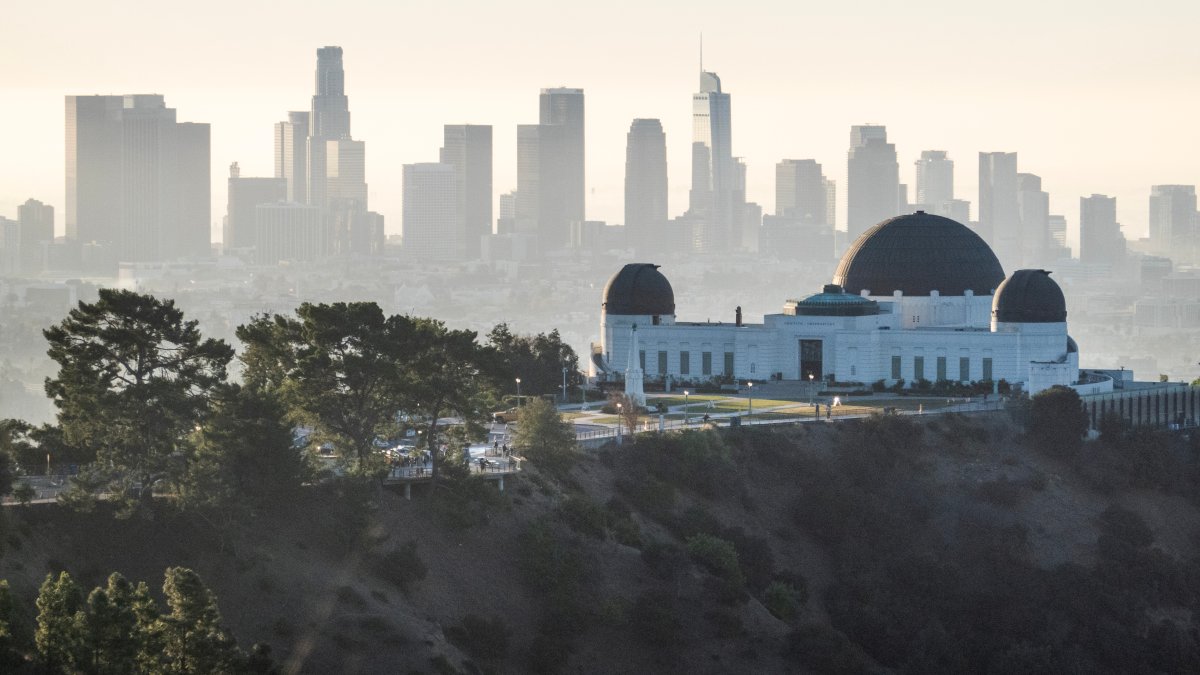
711	199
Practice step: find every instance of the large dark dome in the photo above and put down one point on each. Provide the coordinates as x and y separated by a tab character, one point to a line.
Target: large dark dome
1029	296
639	289
917	254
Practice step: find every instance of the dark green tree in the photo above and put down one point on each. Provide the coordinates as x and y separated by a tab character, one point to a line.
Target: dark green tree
134	380
193	639
10	655
451	375
350	372
544	437
245	454
60	637
340	367
537	359
115	637
1057	421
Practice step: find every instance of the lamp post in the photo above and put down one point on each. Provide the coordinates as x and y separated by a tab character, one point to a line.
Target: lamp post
750	414
620	407
685	408
564	384
518	392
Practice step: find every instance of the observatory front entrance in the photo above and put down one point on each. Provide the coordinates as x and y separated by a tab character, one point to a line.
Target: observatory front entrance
812	366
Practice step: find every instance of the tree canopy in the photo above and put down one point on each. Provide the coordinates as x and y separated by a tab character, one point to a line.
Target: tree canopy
544	437
350	372
134	379
1057	421
537	359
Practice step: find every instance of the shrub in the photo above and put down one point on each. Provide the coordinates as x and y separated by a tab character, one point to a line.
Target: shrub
783	600
401	566
1057	421
584	516
717	556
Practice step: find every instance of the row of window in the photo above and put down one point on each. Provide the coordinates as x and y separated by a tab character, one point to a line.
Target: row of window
941	371
685	363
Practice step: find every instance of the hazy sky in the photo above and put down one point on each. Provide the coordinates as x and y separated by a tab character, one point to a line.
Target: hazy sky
1097	96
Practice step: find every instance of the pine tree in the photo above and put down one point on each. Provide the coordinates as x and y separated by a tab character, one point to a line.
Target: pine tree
61	623
114	638
193	640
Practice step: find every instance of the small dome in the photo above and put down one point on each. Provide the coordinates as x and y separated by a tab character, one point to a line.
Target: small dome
639	289
918	254
833	301
1029	296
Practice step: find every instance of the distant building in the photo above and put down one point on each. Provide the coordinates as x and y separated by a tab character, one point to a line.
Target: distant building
999	210
36	232
330	107
645	184
138	182
506	220
431	225
800	191
244	196
550	178
288	231
711	206
10	247
1173	219
468	148
1100	238
1033	207
873	179
291	155
1056	229
935	178
564	108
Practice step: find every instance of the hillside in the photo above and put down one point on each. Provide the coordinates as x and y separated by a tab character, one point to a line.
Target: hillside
937	545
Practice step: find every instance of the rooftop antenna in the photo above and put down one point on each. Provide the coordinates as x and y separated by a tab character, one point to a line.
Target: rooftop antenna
702	51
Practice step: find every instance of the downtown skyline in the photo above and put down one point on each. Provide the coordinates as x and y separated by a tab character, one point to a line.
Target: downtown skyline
1085	125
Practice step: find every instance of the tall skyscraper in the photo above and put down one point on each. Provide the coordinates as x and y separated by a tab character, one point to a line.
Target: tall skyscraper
800	191
1100	238
291	155
645	183
138	182
328	170
711	201
431	225
999	212
1173	219
1033	205
550	169
245	194
330	107
329	122
468	148
36	233
935	178
563	107
873	179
